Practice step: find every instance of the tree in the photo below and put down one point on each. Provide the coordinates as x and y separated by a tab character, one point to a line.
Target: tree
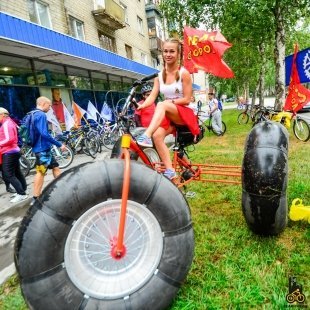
257	29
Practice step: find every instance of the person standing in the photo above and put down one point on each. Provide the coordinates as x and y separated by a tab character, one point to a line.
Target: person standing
143	117
175	83
42	144
9	157
215	113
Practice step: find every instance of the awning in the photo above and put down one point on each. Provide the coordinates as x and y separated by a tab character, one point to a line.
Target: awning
24	38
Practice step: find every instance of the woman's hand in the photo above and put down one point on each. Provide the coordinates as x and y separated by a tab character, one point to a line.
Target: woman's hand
140	106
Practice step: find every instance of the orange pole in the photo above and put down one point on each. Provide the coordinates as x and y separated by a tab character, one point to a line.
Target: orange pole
125	192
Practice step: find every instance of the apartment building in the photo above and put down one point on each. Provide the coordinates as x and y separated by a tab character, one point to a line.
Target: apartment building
84	48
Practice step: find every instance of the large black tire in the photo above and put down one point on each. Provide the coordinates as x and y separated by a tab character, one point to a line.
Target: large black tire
65	240
264	178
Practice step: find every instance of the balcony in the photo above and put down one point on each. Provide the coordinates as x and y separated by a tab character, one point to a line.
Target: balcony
155	46
152	7
110	14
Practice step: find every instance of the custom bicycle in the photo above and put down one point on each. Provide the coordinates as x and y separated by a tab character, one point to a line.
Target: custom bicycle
119	236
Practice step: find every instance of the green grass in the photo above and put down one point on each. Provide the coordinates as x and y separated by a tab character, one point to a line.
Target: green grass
234	268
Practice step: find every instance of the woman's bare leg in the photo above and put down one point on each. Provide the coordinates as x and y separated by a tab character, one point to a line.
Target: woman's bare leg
165	108
161	147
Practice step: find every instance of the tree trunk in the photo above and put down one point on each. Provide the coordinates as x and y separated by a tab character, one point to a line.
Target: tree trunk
279	54
261	81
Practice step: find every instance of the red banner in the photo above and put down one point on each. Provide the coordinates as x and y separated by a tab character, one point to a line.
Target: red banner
204	50
298	95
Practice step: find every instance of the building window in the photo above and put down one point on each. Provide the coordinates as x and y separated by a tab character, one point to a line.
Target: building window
125	11
143	59
39	13
99	4
14	70
77	28
140	24
107	42
128	51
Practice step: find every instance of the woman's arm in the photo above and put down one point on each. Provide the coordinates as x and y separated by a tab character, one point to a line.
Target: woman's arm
8	134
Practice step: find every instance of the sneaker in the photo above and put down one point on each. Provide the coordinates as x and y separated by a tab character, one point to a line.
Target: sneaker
33	201
144	140
170	174
11	190
19	198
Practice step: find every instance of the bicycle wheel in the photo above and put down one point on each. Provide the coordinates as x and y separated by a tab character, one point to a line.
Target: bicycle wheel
64	158
75	233
243	118
109	139
24	165
301	129
223	129
90	147
27	152
151	154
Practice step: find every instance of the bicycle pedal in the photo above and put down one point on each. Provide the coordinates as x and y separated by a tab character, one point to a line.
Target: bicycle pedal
190	194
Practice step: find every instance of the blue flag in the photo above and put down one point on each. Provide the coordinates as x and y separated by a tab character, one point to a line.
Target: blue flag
303	66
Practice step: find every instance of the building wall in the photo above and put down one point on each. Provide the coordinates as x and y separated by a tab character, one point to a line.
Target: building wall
60	10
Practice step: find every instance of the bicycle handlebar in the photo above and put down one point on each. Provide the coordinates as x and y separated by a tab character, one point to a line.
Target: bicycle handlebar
145	79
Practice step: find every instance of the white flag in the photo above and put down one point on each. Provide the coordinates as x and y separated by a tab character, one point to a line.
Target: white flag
92	111
69	120
106	112
51	117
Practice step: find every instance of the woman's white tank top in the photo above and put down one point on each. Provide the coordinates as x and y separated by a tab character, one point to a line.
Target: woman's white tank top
173	90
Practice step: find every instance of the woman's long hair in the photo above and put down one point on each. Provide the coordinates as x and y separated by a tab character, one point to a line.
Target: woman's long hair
180	52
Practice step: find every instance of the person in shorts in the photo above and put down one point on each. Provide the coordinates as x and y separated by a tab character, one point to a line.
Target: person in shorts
42	143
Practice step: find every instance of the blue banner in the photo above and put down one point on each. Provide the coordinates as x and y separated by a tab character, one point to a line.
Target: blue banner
303	66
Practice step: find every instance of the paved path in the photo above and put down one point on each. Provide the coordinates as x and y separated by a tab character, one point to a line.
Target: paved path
12	214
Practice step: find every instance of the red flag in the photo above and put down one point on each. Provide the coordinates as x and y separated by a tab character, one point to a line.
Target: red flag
298	95
204	50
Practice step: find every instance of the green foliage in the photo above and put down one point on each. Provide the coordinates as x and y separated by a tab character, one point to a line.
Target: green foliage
250	25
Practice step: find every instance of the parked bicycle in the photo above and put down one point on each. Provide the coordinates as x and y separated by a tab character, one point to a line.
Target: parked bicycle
79	140
301	127
247	114
207	122
64	158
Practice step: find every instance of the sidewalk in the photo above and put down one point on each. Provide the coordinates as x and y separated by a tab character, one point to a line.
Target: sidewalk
12	214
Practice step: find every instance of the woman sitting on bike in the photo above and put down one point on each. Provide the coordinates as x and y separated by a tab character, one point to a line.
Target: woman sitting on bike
175	83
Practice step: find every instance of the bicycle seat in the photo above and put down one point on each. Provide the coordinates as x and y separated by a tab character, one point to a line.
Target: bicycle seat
184	136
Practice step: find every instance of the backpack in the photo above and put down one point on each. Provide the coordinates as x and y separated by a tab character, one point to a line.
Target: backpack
26	131
220	105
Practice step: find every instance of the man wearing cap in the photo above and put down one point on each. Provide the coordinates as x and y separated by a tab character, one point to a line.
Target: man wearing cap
9	156
215	113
